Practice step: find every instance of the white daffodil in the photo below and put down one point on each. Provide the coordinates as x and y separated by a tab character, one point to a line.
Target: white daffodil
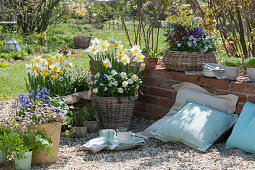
71	55
104	46
92	50
124	83
115	83
97	75
44	62
117	44
95	41
125	59
120	49
114	72
56	58
142	66
139	58
28	67
134	77
38	60
119	57
107	63
110	39
123	75
136	49
120	90
95	90
54	68
130	81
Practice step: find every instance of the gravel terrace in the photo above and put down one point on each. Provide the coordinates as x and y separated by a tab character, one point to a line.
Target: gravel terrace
153	155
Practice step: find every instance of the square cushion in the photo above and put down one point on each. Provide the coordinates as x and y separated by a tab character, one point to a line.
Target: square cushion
195	125
188	91
243	134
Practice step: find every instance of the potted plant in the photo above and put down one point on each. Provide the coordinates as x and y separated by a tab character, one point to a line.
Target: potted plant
38	112
250	64
232	67
91	122
79	118
188	43
115	82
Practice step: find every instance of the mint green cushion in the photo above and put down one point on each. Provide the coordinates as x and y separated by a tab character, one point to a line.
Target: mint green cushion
195	125
243	134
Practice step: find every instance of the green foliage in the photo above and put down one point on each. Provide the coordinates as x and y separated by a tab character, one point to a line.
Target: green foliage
232	62
250	62
91	112
153	53
79	117
14	55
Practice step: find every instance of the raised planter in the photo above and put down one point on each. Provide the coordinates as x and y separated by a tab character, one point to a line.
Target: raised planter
114	113
53	133
187	61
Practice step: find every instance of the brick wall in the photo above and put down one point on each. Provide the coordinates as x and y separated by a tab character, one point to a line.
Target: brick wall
159	96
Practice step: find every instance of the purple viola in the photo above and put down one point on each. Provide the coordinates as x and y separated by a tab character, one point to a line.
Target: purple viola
199	31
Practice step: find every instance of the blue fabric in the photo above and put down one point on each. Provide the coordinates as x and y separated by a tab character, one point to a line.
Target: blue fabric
243	134
195	125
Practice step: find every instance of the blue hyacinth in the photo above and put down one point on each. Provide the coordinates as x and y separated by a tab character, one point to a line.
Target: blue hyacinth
199	31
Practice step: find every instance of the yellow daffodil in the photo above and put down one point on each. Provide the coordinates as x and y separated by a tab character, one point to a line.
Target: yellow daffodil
117	43
37	60
45	73
54	77
35	66
66	64
49	60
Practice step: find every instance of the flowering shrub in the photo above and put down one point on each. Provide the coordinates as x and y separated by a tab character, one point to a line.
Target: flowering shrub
38	108
187	38
56	74
41	38
116	70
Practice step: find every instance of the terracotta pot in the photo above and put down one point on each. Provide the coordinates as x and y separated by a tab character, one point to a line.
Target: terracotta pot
53	132
92	126
251	73
232	72
151	63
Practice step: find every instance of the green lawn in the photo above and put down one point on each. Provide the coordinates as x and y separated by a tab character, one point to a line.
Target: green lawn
12	77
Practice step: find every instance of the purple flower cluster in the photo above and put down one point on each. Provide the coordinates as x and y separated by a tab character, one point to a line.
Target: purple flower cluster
199	31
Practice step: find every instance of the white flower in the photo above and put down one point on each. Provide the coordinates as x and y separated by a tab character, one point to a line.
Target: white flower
95	41
104	46
107	63
142	66
124	83
120	49
125	59
134	77
95	90
136	49
114	72
115	83
28	67
38	60
123	75
110	39
92	50
120	90
109	77
130	81
117	43
139	57
97	75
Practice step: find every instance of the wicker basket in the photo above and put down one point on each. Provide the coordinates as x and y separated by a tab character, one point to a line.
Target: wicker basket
82	41
113	115
187	61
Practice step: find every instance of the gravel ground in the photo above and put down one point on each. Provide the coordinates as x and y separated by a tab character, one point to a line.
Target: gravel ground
153	155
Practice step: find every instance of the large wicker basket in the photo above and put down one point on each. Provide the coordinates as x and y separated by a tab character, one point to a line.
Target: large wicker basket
187	61
113	115
82	41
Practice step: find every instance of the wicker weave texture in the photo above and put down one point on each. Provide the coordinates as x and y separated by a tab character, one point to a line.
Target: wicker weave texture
187	61
113	115
82	41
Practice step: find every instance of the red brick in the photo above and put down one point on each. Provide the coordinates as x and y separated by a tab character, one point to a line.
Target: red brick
143	88
167	84
144	115
241	98
239	108
180	76
163	74
210	90
156	110
140	106
148	99
214	83
165	102
221	92
251	99
160	92
247	87
151	81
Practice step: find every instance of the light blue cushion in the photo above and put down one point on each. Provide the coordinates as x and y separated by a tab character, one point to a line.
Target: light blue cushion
243	134
195	125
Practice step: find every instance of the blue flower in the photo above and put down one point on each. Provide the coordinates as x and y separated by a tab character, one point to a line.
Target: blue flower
189	43
179	44
199	31
191	37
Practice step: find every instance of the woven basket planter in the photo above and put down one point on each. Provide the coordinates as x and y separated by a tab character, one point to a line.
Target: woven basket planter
82	41
187	61
113	115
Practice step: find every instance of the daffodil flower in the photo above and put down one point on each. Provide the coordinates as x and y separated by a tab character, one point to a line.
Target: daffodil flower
92	50
142	66
117	44
38	60
139	57
125	59
107	63
136	49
